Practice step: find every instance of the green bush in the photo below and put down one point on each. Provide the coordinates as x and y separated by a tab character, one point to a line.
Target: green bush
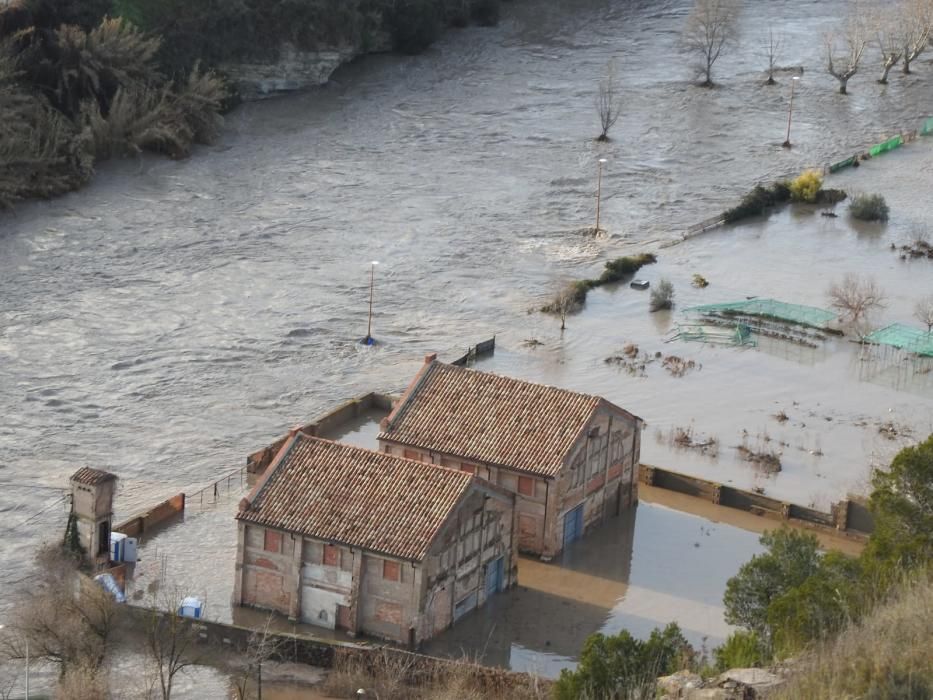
755	202
741	650
662	296
620	268
869	207
806	186
621	666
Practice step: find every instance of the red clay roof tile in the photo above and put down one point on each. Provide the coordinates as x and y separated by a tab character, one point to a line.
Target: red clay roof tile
490	418
357	497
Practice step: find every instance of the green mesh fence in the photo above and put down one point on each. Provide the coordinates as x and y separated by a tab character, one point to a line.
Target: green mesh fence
927	127
771	308
842	164
903	337
886	146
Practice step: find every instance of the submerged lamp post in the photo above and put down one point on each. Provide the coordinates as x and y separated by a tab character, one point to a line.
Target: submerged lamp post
599	189
790	110
25	639
368	340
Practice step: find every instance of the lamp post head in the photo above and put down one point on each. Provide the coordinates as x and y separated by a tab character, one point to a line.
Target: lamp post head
602	160
796	77
375	262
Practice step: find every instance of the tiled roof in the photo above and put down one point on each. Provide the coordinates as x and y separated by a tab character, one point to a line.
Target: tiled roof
490	418
356	497
91	477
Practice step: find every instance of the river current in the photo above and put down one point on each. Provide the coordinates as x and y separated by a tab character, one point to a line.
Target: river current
174	316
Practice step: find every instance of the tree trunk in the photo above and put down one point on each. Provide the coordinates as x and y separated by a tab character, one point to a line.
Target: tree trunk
906	69
884	76
842	85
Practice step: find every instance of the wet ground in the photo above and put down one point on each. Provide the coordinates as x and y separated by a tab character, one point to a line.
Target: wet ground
173	317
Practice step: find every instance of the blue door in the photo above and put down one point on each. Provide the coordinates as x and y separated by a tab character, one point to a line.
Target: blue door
573	525
494	570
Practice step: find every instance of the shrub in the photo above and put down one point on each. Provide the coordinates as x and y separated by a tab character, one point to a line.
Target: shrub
662	296
830	196
621	666
741	650
755	202
619	268
806	186
869	207
486	12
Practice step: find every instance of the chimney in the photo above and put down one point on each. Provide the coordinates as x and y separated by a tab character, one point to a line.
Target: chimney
430	357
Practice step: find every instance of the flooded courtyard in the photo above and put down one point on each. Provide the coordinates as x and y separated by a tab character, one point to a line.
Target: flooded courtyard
175	316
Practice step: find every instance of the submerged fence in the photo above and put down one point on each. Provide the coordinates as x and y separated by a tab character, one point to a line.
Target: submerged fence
889	144
487	347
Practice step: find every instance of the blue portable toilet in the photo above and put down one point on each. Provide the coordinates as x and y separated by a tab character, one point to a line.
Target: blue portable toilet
191	607
117	546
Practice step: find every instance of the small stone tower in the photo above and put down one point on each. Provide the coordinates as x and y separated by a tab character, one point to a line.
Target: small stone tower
92	492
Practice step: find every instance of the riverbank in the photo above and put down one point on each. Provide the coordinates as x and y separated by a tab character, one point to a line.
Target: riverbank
114	78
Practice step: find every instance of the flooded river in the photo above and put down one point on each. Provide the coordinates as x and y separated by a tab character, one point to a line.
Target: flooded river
172	317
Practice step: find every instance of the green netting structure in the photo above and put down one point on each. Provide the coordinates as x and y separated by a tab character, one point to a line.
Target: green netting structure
902	337
886	146
770	308
927	127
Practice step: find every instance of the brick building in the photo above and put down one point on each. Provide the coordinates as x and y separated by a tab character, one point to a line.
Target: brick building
571	458
343	537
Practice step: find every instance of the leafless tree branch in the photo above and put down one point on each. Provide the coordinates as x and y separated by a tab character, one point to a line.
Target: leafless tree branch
608	101
712	26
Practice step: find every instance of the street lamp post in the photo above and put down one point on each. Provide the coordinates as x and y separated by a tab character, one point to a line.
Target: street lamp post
790	110
599	190
372	280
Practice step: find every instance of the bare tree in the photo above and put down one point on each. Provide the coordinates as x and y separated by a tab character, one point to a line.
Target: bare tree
8	676
712	26
890	40
916	17
923	312
82	682
844	51
566	300
772	51
608	101
66	618
171	642
261	647
855	297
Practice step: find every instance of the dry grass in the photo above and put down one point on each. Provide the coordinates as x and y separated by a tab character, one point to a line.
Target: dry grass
391	676
880	657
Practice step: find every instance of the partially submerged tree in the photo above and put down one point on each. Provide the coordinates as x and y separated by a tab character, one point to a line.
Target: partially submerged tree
608	101
772	51
261	647
923	312
712	27
566	301
171	641
916	17
889	37
844	50
855	297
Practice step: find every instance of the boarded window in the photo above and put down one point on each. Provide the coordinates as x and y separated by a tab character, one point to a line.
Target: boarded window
331	555
468	468
413	454
526	486
272	541
391	570
527	525
450	463
387	449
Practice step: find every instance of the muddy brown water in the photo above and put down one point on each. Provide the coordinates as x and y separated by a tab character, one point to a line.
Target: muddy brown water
172	317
